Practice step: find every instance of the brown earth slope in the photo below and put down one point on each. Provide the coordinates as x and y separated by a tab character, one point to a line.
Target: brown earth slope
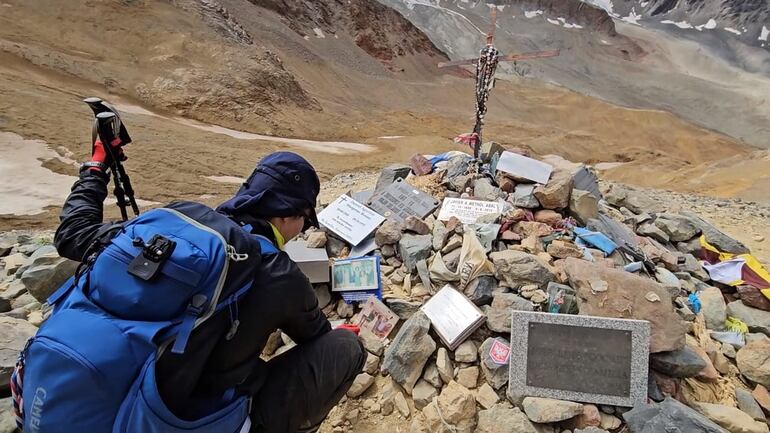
244	67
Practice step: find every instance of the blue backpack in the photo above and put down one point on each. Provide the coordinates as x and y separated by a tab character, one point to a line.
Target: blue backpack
91	366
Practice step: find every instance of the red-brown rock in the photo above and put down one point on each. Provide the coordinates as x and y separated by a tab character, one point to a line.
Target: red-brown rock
752	297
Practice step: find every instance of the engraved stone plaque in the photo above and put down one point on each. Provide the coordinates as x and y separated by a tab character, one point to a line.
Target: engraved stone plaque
400	200
579	358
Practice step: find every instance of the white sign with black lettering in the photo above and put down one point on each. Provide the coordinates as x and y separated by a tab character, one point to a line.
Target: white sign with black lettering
468	211
349	219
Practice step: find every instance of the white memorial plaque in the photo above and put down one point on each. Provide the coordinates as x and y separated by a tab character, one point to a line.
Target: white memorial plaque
468	211
349	219
521	166
453	316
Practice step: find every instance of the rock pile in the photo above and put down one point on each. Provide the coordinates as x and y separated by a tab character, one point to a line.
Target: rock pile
703	376
708	373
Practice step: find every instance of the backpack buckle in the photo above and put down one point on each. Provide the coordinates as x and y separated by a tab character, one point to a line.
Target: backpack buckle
147	264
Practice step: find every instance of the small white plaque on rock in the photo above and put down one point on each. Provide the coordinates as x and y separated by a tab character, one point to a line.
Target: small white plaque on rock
522	166
468	211
349	219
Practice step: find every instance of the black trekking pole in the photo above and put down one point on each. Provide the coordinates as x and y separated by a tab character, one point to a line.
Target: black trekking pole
108	127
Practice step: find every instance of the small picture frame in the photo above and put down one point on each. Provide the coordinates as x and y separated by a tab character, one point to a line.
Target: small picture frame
360	274
377	317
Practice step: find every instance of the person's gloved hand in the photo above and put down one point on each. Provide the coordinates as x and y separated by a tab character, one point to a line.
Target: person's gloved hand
348	327
99	153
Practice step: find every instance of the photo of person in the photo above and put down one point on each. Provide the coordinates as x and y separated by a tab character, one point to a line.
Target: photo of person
355	274
377	318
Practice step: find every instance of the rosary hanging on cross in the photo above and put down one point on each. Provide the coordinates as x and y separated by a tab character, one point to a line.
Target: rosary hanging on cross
486	65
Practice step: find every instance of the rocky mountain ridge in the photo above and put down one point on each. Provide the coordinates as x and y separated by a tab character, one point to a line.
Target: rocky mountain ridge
748	21
377	29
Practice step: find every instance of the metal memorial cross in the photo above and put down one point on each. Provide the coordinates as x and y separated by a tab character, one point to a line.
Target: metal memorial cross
486	64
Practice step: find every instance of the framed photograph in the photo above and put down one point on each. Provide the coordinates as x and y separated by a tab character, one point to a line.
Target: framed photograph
356	275
377	318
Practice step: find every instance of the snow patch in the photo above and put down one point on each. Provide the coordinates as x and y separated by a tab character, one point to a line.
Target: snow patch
319	33
604	4
765	34
732	30
226	179
553	21
572	26
680	24
710	25
532	14
644	4
632	17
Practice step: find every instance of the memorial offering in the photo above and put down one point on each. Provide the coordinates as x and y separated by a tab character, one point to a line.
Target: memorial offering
349	219
523	167
453	316
400	200
468	211
359	274
579	358
377	318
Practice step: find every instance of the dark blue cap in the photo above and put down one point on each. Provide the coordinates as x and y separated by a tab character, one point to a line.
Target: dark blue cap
284	184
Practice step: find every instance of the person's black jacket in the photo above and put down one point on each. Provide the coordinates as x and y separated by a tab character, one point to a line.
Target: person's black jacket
281	297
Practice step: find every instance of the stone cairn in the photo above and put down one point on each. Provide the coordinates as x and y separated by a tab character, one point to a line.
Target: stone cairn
701	379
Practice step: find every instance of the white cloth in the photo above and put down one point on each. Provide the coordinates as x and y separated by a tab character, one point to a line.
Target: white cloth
726	272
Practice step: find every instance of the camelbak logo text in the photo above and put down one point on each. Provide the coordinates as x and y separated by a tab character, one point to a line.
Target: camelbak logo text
37	409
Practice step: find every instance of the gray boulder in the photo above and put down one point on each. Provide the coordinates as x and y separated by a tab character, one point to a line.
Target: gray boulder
748	404
407	354
583	205
518	269
715	237
684	362
669	416
390	174
524	196
757	320
622	196
413	248
678	228
502	418
7	417
480	290
713	307
7	242
482	188
14	334
388	233
499	315
652	231
46	272
457	167
753	363
402	308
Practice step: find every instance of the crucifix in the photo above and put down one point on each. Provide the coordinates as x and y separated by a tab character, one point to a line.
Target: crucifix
486	64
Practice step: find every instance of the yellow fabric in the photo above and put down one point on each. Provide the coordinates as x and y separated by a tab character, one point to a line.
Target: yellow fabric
750	260
279	240
736	325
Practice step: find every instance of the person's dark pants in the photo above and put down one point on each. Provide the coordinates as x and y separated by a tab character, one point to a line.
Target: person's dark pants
306	382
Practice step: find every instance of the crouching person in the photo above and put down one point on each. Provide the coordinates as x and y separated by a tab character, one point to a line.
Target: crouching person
163	326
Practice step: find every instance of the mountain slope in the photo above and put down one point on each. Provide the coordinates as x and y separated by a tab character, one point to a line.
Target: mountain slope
747	21
713	80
